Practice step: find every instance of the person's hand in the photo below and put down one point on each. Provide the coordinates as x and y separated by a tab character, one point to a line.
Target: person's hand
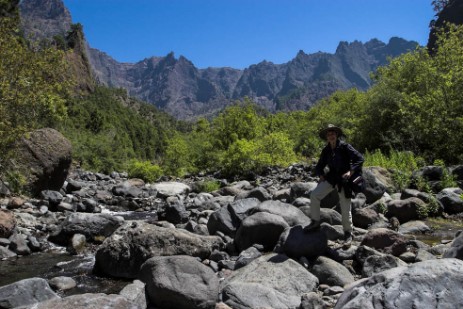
322	178
346	175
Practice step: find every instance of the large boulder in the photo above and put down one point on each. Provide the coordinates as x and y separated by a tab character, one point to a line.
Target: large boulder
295	243
428	284
385	240
291	214
331	272
179	282
25	292
44	158
7	223
260	228
228	219
374	187
451	200
456	248
90	225
122	254
406	210
270	281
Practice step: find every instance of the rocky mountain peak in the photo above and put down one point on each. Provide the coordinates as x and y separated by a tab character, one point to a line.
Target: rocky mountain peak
43	19
178	87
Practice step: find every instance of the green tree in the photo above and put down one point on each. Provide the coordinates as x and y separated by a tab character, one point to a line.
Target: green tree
418	103
177	156
33	84
239	121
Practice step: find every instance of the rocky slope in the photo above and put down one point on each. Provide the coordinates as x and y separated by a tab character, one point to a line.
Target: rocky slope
241	246
185	91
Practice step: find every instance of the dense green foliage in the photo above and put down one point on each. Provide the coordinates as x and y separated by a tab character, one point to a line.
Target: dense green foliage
144	170
33	83
416	103
239	141
401	163
106	134
415	106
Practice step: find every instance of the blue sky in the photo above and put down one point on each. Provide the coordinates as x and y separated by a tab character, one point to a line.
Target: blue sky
238	33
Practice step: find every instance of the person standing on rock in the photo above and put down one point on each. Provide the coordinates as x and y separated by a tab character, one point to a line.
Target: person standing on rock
339	162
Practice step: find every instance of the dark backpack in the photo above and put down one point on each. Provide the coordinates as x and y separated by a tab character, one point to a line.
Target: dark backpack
356	181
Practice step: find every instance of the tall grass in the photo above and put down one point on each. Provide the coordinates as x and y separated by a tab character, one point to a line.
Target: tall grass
400	163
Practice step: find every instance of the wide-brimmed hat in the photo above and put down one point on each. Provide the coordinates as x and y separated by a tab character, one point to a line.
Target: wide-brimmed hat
330	127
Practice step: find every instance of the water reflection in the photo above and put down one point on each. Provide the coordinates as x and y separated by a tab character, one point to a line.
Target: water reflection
52	264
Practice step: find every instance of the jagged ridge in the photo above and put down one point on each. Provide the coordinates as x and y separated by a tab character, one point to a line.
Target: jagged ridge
184	91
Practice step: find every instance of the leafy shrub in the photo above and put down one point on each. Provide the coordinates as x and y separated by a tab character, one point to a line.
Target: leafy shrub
401	163
16	180
144	170
206	186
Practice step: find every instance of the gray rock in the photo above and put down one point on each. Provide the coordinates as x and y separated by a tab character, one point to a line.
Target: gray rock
179	282
291	214
332	232
407	193
282	195
123	253
377	263
456	248
386	241
271	281
301	202
62	283
331	272
25	292
135	292
374	187
5	253
247	256
90	225
166	189
86	301
312	300
228	219
365	217
53	197
301	189
414	227
363	252
260	228
295	243
259	193
45	158
405	210
423	255
451	200
19	244
7	223
175	211
428	284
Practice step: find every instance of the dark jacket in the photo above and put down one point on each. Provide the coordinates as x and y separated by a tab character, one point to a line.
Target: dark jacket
339	161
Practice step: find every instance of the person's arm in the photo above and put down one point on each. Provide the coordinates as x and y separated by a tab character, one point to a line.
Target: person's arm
356	159
322	161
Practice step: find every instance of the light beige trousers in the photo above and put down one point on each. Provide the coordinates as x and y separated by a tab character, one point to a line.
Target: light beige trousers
322	190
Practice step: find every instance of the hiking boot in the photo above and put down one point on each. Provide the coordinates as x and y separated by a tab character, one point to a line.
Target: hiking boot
314	225
347	240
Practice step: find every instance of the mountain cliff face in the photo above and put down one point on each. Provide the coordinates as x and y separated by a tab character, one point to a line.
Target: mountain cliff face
44	18
184	91
181	89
